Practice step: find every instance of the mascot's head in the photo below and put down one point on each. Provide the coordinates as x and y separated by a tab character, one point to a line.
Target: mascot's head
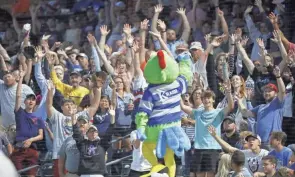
161	69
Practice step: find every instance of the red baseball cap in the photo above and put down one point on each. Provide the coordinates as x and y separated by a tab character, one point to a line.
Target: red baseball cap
271	86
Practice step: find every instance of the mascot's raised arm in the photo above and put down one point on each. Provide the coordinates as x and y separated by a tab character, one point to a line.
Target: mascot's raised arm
159	116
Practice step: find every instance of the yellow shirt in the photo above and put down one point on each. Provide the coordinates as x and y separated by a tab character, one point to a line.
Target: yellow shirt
76	94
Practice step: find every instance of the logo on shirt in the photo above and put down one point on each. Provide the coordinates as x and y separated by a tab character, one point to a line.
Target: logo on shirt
253	164
91	150
34	120
169	93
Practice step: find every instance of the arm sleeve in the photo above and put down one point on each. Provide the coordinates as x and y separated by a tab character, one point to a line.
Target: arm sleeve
62	87
146	103
41	80
253	31
96	59
78	137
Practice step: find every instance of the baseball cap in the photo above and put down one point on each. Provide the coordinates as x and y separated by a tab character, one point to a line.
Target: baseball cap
120	4
92	127
229	117
31	96
83	117
253	136
75	73
82	55
196	45
271	86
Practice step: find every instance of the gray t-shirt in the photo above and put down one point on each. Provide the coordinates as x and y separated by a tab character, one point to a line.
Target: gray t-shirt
61	129
243	173
71	154
253	162
7	101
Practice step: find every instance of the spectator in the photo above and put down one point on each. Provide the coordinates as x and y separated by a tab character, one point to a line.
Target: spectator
230	135
237	164
204	146
269	167
253	155
139	166
5	145
8	93
224	165
268	116
69	158
280	152
29	130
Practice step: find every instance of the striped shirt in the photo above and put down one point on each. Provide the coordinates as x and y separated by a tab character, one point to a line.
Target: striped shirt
162	102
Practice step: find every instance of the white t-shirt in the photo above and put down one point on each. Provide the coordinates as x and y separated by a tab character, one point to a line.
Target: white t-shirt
253	162
62	128
139	163
199	67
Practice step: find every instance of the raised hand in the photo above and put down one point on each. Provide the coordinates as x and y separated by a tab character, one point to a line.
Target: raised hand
260	43
212	130
108	49
50	59
127	29
135	47
217	41
220	13
157	35
276	71
244	41
161	25
112	84
50	85
104	30
144	25
62	52
22	73
227	86
181	11
248	10
130	40
249	93
158	8
91	39
39	52
277	37
233	38
273	18
208	38
258	3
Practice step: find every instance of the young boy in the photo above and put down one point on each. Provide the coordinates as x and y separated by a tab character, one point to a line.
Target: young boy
237	164
280	152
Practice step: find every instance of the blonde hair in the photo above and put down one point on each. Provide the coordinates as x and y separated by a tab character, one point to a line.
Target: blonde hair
224	165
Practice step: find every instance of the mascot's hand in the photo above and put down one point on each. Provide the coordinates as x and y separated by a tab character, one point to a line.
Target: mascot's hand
141	134
175	138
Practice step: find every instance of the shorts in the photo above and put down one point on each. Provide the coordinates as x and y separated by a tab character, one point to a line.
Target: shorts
120	132
204	160
28	156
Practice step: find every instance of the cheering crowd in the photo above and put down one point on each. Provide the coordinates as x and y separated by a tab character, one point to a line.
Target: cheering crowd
73	84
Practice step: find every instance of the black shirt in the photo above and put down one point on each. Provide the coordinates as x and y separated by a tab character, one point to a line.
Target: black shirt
233	140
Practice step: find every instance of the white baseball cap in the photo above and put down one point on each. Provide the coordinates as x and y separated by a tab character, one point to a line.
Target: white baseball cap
196	45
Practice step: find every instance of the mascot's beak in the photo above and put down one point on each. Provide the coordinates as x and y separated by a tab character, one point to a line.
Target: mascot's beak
161	59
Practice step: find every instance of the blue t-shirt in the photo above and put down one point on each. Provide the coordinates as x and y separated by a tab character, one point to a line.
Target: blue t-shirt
282	157
203	139
27	125
102	121
269	118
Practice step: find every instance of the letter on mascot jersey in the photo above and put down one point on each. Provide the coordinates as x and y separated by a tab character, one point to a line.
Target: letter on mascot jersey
158	118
